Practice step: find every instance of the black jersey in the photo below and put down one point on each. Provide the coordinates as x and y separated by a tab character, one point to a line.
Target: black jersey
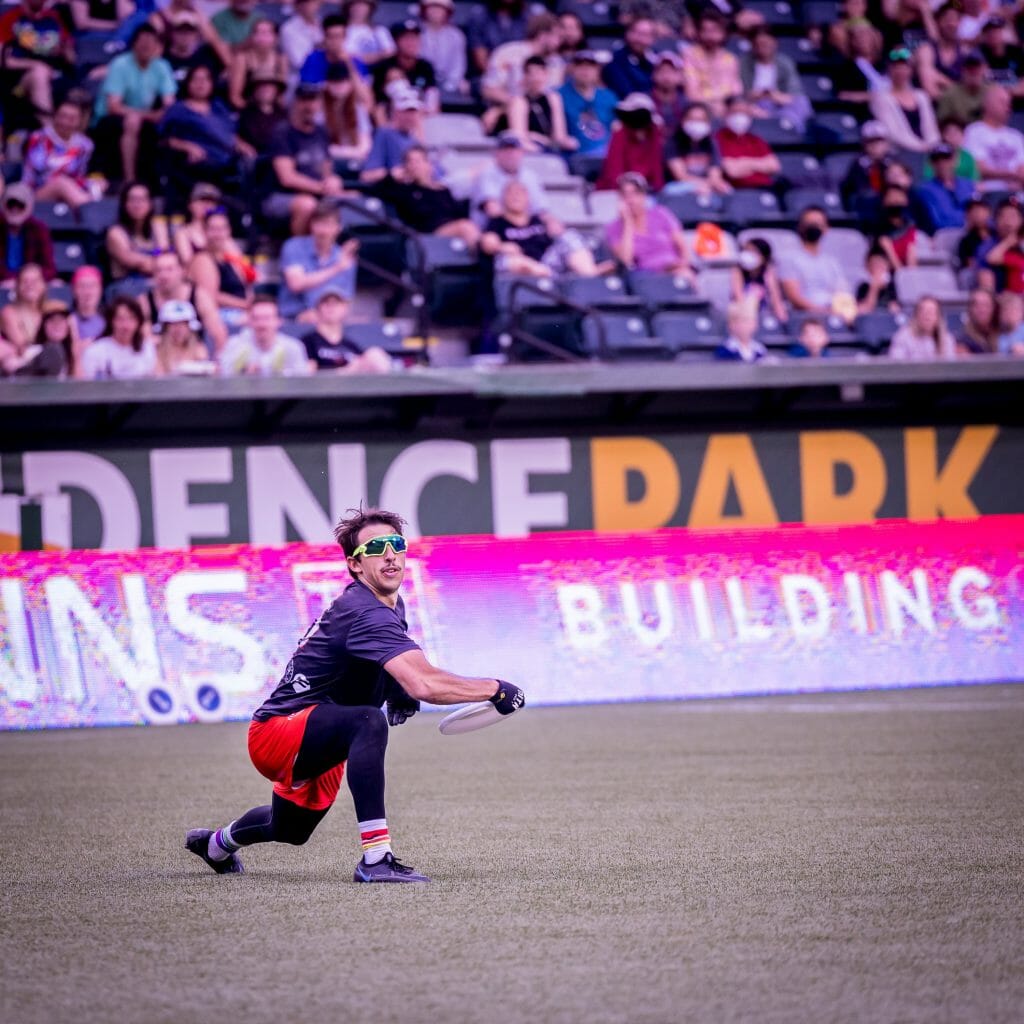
340	659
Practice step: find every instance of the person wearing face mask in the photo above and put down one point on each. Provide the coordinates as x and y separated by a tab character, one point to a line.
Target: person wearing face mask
879	290
756	280
747	160
895	232
813	281
637	144
691	157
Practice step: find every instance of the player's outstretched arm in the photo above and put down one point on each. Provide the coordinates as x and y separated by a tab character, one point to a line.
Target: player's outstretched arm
423	681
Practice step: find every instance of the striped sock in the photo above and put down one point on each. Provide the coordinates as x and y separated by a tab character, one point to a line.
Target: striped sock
375	839
221	845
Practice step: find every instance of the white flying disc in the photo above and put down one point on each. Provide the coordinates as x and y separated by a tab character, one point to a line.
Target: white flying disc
470	718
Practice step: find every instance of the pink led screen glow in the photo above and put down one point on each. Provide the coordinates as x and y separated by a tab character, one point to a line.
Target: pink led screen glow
105	638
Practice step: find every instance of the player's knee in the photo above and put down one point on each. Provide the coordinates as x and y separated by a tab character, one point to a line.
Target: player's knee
295	838
375	726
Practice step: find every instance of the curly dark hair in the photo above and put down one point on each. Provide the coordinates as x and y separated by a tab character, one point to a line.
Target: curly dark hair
346	533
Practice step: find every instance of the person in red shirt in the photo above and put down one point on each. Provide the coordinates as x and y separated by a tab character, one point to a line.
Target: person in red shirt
637	144
37	48
747	160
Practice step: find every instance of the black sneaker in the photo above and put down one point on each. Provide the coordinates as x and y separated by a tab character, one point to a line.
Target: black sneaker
198	840
386	870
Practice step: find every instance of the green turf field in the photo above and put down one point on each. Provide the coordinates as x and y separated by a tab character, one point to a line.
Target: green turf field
823	858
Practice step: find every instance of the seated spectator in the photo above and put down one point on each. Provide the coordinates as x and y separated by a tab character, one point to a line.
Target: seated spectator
505	69
57	159
975	14
924	337
38	54
906	112
878	291
138	88
262	350
857	78
126	351
771	81
312	263
646	236
756	281
630	70
423	203
943	199
861	189
180	350
260	55
574	36
263	115
747	161
137	235
302	33
87	315
670	102
223	272
812	281
523	243
302	171
939	59
191	41
326	347
189	237
637	144
1005	60
812	341
54	350
537	117
1011	324
692	159
24	239
853	13
952	133
443	45
491	25
712	73
393	139
199	142
407	64
964	100
491	182
993	274
589	106
740	345
234	23
21	317
979	335
170	285
895	233
997	148
367	43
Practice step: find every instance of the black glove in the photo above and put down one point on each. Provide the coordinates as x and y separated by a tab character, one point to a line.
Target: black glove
401	706
508	698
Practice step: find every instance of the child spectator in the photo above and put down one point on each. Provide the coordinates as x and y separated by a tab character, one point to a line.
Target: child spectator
925	337
1011	324
756	281
952	132
326	347
263	114
812	341
878	291
740	346
976	237
537	117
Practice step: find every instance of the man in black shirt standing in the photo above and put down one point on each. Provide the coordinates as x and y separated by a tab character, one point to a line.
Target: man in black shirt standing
324	718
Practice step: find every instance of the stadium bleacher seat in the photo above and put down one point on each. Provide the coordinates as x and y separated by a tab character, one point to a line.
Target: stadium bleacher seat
691	207
837	166
878	327
751	205
456	131
782	240
818	89
513	292
913	283
827	198
842	128
821	12
606	292
626	335
803	170
688	331
665	291
848	246
781	133
774	12
68	257
715	284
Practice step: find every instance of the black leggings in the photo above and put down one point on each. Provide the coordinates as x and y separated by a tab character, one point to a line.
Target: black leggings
333	734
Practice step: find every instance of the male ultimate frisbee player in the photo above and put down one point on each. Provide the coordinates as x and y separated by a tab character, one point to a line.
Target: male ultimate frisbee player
324	720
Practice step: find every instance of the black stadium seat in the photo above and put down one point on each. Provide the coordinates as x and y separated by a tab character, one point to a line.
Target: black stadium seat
665	291
626	335
604	292
689	332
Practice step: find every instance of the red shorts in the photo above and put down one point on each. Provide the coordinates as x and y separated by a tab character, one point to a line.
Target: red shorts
273	747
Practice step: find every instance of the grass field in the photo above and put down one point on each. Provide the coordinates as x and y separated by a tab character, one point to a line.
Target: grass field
823	858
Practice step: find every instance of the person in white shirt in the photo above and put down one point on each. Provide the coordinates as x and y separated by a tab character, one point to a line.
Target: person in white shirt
925	338
490	184
997	148
302	33
125	352
443	45
261	350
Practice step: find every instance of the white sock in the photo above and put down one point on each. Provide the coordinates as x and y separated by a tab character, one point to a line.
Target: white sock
375	839
221	845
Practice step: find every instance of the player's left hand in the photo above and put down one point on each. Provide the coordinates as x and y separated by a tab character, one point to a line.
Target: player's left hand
401	707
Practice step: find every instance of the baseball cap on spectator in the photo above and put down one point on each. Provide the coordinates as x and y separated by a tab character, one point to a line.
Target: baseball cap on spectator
585	57
670	57
509	141
204	190
336	293
404	28
308	91
974	58
19	197
177	311
899	55
55	307
872	130
941	152
635	101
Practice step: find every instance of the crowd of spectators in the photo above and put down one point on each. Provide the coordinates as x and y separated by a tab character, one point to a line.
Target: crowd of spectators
204	152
